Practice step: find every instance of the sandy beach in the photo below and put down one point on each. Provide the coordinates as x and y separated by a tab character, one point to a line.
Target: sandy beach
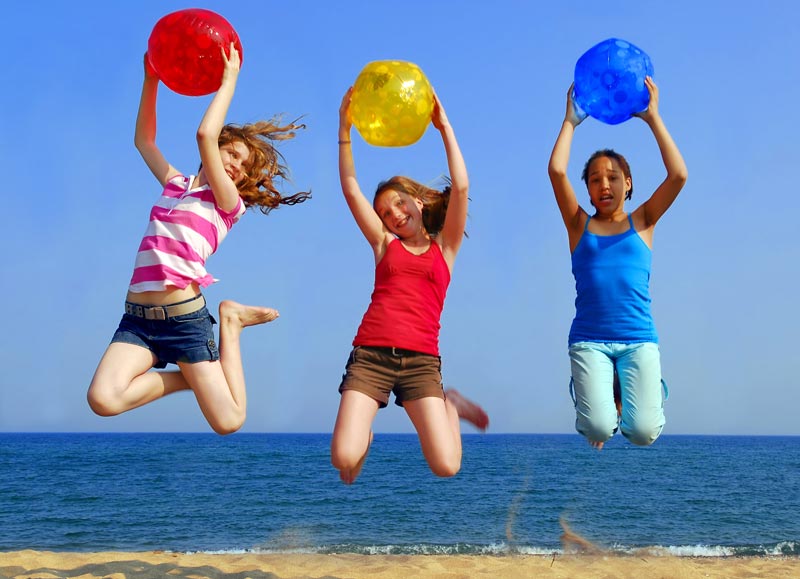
154	564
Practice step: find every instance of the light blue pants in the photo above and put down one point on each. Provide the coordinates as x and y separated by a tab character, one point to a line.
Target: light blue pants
643	392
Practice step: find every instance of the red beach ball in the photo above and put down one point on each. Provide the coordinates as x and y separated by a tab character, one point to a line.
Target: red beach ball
184	50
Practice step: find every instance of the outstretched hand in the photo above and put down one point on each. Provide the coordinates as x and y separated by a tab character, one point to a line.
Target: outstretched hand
232	62
149	71
652	109
345	122
575	115
438	117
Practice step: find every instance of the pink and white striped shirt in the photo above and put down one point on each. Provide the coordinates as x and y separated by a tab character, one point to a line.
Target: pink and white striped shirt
186	227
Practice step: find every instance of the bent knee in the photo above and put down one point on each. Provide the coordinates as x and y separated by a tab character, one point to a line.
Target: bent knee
344	459
342	463
225	429
644	428
445	469
597	430
642	436
102	403
227	425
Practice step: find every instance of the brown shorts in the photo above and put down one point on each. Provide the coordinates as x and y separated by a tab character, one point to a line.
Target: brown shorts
378	371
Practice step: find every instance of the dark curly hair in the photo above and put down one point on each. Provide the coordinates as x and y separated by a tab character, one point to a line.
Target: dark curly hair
611	154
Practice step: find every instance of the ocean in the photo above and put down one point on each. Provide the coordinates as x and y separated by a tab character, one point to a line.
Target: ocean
277	493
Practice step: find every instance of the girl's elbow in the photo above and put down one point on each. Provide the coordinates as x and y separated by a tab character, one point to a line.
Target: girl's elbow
204	135
556	172
143	143
146	147
680	176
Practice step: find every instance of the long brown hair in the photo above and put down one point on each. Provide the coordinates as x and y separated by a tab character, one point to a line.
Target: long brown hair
434	202
265	164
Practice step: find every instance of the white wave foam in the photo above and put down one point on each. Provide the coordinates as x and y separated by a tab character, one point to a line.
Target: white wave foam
501	549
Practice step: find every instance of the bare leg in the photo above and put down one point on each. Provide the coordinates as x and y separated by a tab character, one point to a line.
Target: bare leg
352	435
220	386
437	425
122	381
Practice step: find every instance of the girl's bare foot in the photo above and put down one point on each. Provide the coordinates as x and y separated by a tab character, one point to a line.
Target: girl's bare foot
467	409
597	445
243	315
349	476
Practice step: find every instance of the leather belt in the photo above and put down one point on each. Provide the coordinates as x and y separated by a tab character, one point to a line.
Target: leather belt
392	351
165	312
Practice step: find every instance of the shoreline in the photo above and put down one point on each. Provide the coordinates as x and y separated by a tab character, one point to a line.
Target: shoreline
30	564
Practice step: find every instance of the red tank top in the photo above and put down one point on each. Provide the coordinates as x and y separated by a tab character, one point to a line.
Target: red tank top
407	301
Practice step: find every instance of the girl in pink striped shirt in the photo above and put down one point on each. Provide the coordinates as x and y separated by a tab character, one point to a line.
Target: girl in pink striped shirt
166	319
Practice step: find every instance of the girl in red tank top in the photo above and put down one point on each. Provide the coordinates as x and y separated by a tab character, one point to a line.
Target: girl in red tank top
415	233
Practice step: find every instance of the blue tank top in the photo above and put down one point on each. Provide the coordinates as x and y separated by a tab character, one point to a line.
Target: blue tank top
612	281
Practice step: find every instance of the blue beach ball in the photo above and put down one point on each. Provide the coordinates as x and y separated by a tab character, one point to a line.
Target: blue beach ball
609	81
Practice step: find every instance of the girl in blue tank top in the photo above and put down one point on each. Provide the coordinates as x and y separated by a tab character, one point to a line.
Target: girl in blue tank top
613	345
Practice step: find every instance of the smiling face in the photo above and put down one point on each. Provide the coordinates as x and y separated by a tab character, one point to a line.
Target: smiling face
400	212
235	158
607	184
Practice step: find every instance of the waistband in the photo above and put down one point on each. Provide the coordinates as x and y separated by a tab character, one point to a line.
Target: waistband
392	351
163	312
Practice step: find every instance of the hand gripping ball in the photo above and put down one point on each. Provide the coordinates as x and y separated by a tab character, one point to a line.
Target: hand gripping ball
609	81
184	50
392	103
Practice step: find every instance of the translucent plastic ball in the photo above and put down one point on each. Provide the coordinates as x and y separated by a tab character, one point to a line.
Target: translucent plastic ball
184	50
609	81
392	103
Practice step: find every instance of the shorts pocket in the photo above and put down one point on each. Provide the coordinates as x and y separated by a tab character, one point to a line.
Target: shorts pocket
197	316
351	359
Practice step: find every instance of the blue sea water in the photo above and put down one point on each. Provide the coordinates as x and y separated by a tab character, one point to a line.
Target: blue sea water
690	495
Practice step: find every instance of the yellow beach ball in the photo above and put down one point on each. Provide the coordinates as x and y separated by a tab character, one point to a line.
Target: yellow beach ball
392	103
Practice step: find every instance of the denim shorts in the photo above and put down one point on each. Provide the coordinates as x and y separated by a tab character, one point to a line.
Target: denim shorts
188	338
377	372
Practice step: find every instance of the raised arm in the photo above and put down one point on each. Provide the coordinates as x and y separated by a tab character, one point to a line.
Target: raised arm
571	211
367	219
225	192
455	221
145	135
666	193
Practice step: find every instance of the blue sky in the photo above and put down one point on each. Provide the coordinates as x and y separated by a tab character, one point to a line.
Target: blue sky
725	273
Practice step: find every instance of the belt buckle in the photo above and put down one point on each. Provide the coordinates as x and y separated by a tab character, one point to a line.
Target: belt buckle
396	352
155	313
